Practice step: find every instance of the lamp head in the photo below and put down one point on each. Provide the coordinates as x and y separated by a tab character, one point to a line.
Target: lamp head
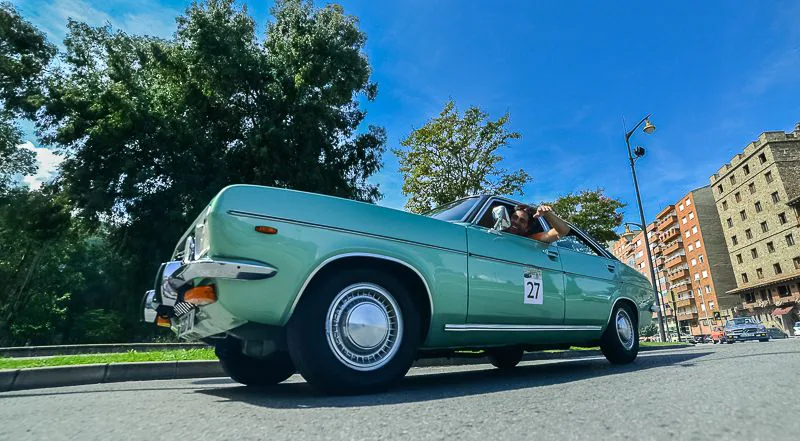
648	127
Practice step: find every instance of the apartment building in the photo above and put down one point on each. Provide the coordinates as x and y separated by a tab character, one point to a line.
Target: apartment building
757	196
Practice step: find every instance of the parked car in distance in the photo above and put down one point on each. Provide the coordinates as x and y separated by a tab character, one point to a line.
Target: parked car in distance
717	335
776	333
349	294
744	329
797	329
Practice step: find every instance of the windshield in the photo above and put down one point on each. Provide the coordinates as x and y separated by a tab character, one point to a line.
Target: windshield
743	321
454	211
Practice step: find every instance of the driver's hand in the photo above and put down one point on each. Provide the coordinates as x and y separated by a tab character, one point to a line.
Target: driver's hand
542	210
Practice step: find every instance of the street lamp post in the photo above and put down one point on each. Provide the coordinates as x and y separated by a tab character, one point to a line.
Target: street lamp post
648	129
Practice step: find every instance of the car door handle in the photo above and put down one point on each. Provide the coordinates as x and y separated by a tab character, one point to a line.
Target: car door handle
611	267
553	254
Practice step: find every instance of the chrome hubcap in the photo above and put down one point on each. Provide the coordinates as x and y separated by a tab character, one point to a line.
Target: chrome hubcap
364	326
624	329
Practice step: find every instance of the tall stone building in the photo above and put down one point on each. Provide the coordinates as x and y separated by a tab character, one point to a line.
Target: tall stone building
757	196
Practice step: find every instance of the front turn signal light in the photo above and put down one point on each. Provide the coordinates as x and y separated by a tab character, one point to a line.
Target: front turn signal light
200	295
266	230
163	322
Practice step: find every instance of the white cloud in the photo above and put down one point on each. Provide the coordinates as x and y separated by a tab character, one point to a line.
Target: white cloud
48	162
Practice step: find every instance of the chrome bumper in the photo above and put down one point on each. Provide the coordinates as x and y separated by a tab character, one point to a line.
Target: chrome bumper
174	275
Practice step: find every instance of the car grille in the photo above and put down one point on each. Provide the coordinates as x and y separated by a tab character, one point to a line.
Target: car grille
182	308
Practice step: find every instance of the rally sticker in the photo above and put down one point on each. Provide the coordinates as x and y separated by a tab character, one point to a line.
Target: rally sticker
533	287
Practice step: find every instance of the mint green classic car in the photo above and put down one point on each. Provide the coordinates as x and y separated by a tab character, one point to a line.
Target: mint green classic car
349	294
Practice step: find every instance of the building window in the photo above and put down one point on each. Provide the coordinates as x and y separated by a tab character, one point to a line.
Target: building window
691	215
680	207
775	197
730	223
762	158
789	240
697	244
754	253
738	197
764	227
768	176
743	215
746	169
744	278
733	179
734	240
796	261
770	247
777	268
696	276
782	218
694	262
749	297
758	206
705	276
739	258
688	202
694	229
720	188
688	233
759	273
683	220
752	187
783	291
724	205
691	247
708	290
700	258
748	233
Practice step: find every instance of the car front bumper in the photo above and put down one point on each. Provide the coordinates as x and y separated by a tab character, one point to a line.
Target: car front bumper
189	321
751	336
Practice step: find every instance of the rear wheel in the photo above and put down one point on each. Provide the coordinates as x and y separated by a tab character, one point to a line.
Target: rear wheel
620	341
355	331
505	358
250	371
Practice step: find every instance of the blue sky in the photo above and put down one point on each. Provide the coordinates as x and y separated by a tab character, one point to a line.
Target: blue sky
714	75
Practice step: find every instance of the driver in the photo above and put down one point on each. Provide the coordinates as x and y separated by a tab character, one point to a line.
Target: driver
525	221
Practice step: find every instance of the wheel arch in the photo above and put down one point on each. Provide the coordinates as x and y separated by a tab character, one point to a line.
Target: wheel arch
404	271
626	301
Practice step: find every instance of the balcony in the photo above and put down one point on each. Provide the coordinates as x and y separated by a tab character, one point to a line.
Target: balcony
678	274
658	250
660	261
665	222
674	246
670	234
687	301
687	316
680	288
675	261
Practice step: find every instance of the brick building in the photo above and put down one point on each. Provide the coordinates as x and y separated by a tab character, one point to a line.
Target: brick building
757	196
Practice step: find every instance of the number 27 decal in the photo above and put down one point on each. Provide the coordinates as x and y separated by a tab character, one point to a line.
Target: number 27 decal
533	292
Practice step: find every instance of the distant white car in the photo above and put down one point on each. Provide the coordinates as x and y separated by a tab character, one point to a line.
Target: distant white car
797	329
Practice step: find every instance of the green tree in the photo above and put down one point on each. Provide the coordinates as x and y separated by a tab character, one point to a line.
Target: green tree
151	129
591	211
24	54
456	155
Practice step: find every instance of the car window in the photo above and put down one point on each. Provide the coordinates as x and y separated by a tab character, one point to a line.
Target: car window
486	219
574	242
454	211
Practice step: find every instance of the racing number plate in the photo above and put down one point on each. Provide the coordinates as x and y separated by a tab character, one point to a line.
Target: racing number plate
533	287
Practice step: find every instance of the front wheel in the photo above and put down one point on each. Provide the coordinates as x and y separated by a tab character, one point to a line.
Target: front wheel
250	371
620	341
355	331
762	340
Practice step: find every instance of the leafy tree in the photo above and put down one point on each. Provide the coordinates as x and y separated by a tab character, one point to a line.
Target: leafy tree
24	53
592	212
455	155
151	129
650	330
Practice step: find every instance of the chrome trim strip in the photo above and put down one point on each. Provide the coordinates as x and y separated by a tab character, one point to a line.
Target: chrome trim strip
341	230
220	269
346	255
518	328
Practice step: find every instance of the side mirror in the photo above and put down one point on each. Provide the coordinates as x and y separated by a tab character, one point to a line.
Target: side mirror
501	218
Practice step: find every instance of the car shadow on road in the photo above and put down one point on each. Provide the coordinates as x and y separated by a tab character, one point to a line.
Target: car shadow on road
418	387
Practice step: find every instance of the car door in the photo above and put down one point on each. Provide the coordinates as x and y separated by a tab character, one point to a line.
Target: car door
513	280
590	278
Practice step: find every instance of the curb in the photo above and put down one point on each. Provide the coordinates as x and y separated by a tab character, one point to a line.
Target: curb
108	348
35	378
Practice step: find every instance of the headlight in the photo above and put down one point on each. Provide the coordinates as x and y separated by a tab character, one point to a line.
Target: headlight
762	328
200	240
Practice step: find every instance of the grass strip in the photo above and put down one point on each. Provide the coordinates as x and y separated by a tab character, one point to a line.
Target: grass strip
124	357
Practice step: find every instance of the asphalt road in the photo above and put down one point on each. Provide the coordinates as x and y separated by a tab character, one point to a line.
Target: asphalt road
745	391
